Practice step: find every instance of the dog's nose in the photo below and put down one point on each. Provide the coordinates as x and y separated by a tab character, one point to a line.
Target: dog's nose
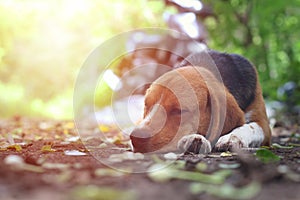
139	139
140	135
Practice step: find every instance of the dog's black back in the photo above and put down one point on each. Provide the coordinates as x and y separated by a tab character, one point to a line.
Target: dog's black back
237	73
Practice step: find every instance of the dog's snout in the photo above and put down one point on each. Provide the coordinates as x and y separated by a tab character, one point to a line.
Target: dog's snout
140	135
139	139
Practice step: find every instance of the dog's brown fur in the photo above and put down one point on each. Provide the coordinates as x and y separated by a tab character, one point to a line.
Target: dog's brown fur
160	92
259	115
180	114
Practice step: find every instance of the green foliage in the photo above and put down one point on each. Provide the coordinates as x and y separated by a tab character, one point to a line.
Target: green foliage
227	191
15	101
266	32
161	173
103	95
92	192
266	156
44	43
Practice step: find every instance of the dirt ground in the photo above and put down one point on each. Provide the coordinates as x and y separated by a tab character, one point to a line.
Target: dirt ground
45	159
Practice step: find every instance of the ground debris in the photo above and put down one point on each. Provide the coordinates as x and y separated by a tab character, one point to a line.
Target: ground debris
53	159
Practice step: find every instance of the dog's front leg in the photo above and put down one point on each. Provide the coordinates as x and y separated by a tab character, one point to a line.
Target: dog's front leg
194	143
248	135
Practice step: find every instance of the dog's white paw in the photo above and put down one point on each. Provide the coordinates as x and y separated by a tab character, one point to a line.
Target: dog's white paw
248	135
194	143
229	142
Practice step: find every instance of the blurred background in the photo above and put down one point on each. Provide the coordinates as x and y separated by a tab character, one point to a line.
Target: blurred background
44	43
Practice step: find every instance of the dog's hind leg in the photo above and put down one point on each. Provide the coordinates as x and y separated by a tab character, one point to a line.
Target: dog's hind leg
248	135
254	133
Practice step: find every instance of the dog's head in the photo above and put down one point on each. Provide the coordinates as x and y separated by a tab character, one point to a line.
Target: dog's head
176	104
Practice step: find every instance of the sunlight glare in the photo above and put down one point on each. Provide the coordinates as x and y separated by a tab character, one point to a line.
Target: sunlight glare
112	80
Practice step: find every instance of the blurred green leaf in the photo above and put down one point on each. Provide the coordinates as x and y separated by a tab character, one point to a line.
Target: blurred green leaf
278	146
47	41
164	174
201	166
47	148
44	43
92	192
229	166
108	172
227	191
266	156
269	41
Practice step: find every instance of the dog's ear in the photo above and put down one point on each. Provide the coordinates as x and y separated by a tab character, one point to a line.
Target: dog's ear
225	112
216	106
221	112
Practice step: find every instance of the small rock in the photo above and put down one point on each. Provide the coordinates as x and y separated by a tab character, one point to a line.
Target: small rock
13	160
170	156
74	153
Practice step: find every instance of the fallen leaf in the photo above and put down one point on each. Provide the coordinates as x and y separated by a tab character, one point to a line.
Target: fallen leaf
295	136
294	144
19	164
77	165
179	164
72	139
226	154
10	139
66	131
287	172
227	191
229	166
201	166
69	125
47	148
126	156
32	168
266	156
61	166
165	174
108	172
41	160
92	192
104	128
103	145
16	147
45	126
64	176
17	132
213	156
278	146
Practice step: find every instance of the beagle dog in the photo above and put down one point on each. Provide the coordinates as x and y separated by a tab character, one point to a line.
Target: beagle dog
213	101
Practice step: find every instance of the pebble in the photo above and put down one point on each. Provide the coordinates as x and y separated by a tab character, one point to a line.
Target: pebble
13	160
